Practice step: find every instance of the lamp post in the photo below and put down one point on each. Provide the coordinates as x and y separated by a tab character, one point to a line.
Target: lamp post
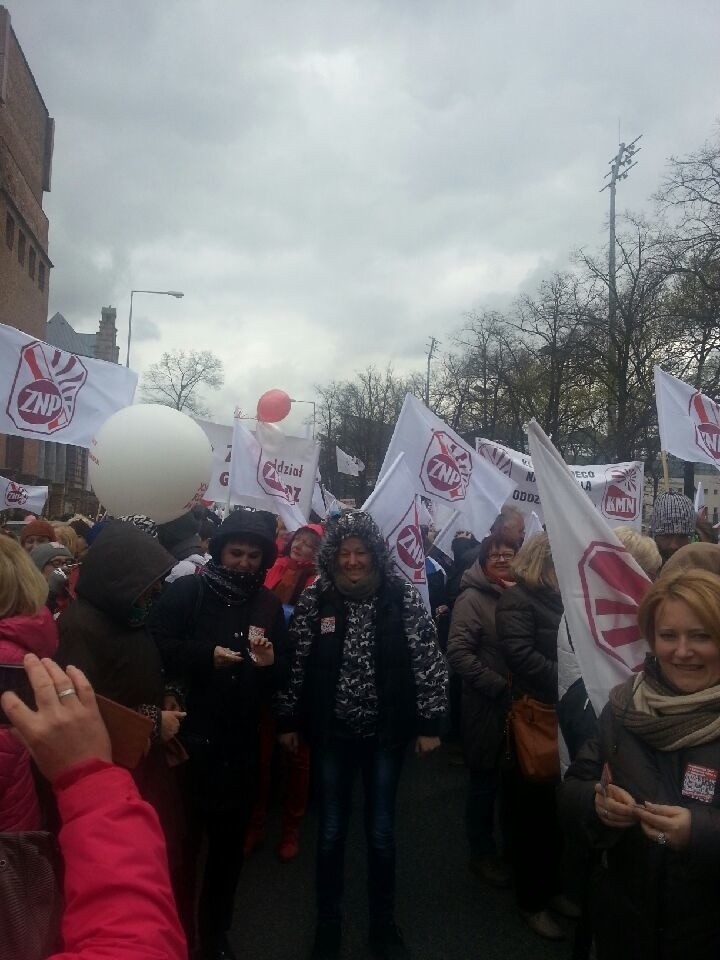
312	402
162	293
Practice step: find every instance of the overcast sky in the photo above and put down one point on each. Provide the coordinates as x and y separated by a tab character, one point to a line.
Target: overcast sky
330	183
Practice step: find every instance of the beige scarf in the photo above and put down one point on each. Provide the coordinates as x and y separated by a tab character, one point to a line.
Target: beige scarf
668	720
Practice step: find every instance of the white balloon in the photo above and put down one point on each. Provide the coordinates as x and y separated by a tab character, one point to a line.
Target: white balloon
149	459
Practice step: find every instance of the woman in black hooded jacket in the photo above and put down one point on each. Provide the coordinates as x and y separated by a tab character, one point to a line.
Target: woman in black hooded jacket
222	637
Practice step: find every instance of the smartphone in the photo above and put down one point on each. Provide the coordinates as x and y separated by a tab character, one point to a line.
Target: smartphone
13	677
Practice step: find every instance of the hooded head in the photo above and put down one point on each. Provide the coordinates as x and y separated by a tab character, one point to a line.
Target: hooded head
251	526
121	566
342	528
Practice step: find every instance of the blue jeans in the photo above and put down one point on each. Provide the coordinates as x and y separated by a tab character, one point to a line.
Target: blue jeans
339	760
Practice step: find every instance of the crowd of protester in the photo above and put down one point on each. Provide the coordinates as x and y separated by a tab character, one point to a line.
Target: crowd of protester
231	650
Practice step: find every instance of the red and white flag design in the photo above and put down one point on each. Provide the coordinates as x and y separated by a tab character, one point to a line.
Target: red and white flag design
269	471
601	584
20	495
396	509
444	467
688	421
49	394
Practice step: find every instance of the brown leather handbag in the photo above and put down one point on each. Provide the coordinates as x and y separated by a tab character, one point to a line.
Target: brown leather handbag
534	729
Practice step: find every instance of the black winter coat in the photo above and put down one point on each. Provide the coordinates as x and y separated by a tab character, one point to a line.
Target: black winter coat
222	704
648	902
527	624
475	653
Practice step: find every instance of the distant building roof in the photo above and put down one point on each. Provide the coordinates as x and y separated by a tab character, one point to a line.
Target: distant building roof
61	334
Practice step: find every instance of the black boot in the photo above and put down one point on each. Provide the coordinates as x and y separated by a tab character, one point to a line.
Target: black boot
386	942
218	948
328	937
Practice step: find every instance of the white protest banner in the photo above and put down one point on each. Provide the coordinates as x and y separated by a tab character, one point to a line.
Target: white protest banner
616	489
269	471
48	394
14	495
348	464
395	507
601	584
688	421
324	503
220	437
445	468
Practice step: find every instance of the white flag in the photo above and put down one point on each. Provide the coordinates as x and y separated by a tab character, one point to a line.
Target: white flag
601	584
533	525
348	464
48	394
616	489
395	507
32	499
324	503
272	472
444	467
220	437
688	421
700	508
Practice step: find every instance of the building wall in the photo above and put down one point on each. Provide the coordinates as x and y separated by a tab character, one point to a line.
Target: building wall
26	140
26	144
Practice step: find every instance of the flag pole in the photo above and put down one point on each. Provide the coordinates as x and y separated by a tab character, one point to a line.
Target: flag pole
666	475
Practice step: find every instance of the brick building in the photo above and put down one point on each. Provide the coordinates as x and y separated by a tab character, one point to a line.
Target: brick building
26	146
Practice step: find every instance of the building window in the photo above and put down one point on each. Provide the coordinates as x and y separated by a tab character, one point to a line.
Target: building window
41	275
32	257
705	489
21	248
10	231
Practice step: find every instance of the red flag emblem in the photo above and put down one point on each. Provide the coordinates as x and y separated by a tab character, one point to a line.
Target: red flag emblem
45	389
446	468
612	591
620	500
706	417
405	541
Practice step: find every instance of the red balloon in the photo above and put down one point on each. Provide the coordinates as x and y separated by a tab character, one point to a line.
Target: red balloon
273	405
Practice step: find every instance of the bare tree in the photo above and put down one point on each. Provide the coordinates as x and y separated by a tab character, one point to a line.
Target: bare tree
176	378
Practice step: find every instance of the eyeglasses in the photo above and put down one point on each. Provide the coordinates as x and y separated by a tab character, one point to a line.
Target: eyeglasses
504	557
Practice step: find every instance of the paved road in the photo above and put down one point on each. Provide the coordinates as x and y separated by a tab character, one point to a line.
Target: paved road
446	913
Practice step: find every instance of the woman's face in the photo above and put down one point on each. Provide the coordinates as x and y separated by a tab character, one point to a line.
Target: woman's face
241	556
52	565
354	559
687	654
36	540
499	560
304	546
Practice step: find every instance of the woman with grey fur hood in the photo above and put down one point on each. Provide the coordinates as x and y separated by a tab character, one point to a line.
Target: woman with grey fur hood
367	677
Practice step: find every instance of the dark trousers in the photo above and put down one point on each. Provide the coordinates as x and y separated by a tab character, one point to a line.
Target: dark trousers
480	810
221	790
338	761
534	838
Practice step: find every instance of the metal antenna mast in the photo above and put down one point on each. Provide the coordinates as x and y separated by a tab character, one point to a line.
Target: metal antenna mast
433	343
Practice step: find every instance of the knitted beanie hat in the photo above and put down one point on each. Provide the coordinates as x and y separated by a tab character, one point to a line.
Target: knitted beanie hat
672	513
46	552
37	528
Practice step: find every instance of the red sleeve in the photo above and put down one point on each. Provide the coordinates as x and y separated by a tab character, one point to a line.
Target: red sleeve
118	900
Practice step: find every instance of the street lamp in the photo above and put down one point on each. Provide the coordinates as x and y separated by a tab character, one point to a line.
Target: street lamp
162	293
312	402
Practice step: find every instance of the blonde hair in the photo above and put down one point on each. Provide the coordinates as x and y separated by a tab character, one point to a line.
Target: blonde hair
533	564
65	535
697	589
642	549
23	589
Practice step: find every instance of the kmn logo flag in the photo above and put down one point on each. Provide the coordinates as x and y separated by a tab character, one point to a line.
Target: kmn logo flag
444	467
14	495
48	394
616	489
601	584
395	507
689	422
